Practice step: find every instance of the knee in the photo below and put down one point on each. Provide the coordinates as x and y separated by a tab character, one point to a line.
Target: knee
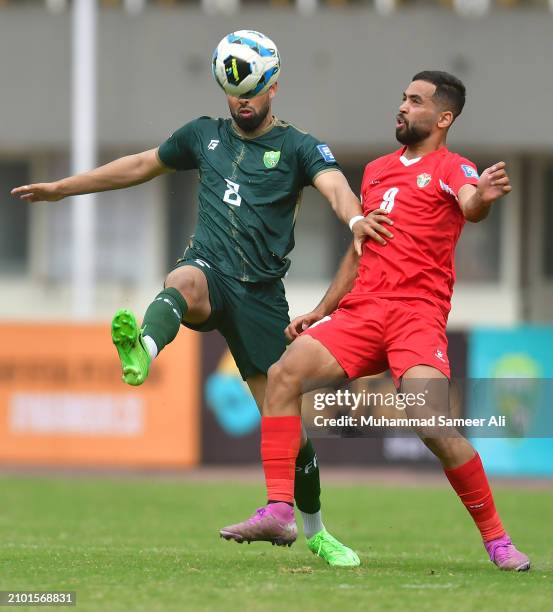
187	285
283	390
284	375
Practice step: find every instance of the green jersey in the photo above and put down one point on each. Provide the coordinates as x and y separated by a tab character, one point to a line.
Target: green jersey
249	194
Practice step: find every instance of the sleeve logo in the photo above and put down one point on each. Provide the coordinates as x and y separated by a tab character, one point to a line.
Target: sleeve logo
326	153
469	171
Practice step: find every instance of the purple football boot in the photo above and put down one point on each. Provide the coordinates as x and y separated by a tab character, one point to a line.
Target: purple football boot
273	523
506	556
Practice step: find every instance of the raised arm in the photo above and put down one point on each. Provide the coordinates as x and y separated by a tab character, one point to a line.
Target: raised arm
476	200
123	172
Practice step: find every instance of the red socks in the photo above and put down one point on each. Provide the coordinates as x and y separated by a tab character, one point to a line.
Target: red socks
280	444
471	485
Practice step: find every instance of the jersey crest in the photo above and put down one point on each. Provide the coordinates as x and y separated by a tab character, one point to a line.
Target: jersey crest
423	180
271	158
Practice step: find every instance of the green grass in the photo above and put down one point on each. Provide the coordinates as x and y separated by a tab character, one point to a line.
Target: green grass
153	545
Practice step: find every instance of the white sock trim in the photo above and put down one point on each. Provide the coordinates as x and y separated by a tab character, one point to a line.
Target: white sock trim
312	523
150	346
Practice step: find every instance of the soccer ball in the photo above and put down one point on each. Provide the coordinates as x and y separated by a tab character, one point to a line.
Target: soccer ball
246	63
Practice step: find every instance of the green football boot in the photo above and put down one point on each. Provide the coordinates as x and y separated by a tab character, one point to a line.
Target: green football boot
333	552
135	359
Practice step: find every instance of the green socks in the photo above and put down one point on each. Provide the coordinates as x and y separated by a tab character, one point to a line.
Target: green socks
164	316
307	486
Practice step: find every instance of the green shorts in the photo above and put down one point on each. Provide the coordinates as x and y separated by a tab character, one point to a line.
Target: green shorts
252	317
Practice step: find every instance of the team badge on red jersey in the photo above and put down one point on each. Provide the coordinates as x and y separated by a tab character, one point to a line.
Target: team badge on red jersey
423	180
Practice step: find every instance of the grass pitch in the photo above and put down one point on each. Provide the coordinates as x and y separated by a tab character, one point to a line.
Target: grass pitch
153	545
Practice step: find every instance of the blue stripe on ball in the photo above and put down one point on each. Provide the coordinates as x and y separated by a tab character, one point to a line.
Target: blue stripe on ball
242	40
262	81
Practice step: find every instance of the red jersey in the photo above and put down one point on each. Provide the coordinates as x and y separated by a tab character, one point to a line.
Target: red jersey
420	196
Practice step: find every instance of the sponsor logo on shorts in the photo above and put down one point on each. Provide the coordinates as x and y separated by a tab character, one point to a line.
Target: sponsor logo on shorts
439	355
202	263
423	180
469	171
326	153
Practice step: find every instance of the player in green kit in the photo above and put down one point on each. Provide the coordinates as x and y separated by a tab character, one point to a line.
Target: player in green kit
252	169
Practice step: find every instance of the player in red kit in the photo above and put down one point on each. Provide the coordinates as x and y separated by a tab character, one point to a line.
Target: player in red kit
388	309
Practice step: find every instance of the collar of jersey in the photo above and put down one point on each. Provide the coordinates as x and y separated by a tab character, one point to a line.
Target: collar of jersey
410	162
265	131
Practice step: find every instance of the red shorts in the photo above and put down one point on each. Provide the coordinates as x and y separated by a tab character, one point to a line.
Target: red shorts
368	335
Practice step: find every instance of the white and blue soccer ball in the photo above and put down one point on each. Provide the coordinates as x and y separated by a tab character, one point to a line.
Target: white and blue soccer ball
246	63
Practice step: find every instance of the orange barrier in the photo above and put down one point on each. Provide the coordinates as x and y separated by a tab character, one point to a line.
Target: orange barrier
62	400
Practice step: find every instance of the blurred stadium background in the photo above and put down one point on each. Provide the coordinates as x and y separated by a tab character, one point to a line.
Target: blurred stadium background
345	65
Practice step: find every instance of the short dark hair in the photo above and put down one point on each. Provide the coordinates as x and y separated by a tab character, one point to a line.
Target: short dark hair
450	91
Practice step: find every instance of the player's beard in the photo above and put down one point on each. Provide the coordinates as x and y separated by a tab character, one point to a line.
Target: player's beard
250	124
411	134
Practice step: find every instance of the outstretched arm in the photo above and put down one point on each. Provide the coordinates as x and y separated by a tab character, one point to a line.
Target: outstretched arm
341	284
123	172
476	200
335	188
